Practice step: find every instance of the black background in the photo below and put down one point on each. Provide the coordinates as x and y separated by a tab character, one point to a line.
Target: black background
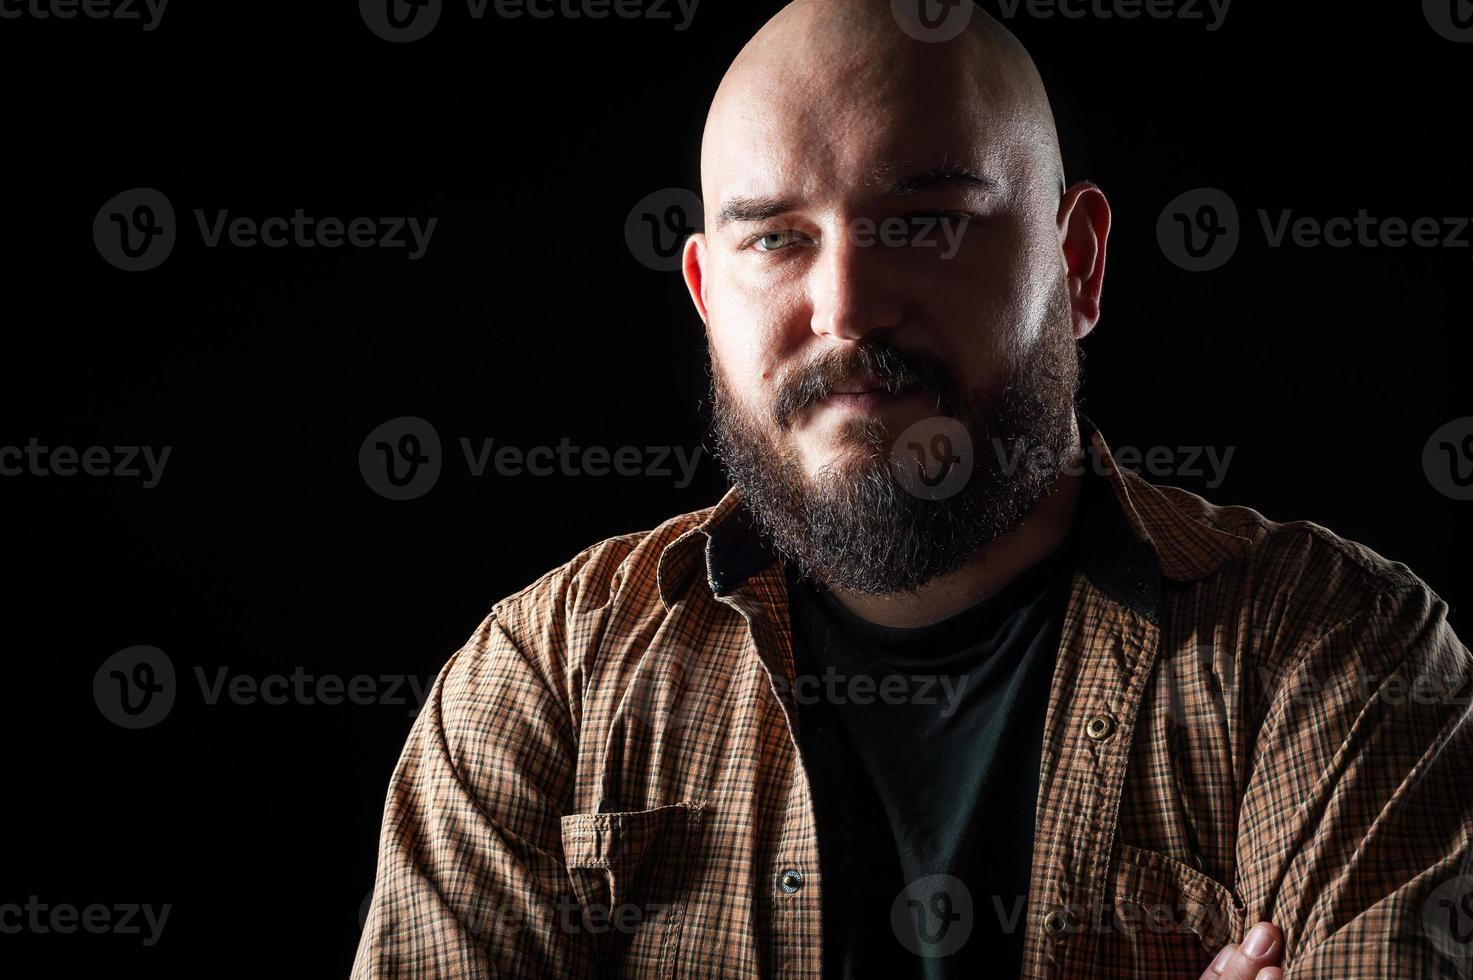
529	320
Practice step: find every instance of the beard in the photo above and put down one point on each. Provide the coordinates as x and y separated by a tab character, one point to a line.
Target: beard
872	521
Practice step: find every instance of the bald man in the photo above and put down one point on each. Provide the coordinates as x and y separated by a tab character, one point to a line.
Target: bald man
936	690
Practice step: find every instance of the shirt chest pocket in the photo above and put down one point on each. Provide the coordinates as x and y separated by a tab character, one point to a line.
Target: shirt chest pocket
1165	917
631	872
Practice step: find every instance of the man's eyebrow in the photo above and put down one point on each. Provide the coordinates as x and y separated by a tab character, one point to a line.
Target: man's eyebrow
752	209
939	177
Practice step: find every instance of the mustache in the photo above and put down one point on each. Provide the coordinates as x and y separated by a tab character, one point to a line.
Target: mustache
899	371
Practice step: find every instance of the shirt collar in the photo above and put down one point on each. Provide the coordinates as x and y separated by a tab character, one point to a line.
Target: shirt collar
1131	535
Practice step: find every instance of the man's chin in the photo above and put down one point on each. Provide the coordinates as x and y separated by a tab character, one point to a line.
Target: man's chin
839	477
851	450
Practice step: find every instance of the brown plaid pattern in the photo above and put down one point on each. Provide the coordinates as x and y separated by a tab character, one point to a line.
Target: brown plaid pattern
1248	720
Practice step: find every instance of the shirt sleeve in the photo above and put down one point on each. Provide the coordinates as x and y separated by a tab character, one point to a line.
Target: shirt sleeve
471	880
1355	827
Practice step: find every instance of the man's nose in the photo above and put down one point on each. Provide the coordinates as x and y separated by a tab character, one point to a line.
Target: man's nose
851	292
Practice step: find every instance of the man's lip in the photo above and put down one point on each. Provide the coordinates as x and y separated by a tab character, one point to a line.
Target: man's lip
872	390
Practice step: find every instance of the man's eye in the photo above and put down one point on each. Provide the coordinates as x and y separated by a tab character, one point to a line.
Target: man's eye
774	241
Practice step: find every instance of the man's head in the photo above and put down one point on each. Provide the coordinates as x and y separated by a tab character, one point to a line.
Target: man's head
889	214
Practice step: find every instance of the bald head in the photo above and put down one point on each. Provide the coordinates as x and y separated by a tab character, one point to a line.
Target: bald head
853	74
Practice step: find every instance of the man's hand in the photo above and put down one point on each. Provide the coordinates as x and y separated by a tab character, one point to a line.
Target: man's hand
1254	960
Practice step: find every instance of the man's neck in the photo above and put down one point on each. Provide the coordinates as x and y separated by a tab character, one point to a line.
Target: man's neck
1031	540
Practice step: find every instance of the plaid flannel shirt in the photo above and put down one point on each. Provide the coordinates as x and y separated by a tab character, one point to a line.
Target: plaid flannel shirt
1248	720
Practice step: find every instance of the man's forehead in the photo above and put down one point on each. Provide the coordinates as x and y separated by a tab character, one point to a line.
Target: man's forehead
855	146
850	166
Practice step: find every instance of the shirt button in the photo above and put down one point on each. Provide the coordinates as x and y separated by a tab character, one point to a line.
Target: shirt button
791	881
1100	727
1055	923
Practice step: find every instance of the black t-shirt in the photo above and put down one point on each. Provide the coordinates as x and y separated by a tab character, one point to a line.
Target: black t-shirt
922	747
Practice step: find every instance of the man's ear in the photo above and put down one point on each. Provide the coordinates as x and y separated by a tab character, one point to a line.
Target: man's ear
1084	230
693	268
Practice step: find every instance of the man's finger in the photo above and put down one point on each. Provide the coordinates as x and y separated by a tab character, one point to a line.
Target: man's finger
1215	968
1259	950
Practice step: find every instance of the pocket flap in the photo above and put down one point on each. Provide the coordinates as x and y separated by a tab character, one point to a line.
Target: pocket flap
619	840
1156	892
